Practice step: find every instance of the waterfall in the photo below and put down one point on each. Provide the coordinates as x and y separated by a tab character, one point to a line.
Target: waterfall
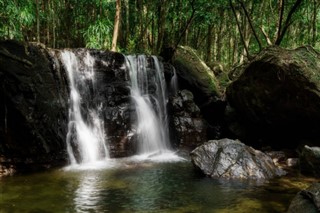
174	83
86	136
148	92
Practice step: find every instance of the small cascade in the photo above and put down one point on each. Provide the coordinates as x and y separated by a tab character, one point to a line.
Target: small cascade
86	135
174	83
148	91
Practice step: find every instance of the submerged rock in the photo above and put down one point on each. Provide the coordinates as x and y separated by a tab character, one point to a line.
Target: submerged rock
228	158
307	200
277	97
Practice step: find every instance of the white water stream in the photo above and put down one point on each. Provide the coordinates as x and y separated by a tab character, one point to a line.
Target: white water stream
86	143
86	134
149	94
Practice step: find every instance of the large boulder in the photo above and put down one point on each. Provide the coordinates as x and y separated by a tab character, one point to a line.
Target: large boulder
190	128
33	109
228	158
307	200
277	97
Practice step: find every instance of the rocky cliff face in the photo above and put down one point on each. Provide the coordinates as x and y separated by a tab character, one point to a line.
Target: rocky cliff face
34	108
34	105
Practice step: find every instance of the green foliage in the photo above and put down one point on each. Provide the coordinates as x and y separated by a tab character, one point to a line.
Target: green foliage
148	25
98	34
15	18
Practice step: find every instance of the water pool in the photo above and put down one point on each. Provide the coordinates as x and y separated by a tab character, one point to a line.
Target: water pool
131	186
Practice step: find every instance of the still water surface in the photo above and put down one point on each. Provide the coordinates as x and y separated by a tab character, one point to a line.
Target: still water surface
130	186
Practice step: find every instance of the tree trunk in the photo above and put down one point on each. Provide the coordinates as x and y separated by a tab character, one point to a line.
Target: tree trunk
239	28
314	22
116	26
127	26
53	26
161	24
38	20
250	23
209	43
279	24
219	38
48	22
186	29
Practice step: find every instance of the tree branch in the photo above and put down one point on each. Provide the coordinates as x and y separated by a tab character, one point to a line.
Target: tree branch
281	11
269	42
250	23
287	22
239	28
187	25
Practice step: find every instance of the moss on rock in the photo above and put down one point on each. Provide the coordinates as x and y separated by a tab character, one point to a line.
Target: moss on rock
196	75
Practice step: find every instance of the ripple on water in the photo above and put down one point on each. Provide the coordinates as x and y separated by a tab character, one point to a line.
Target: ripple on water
131	185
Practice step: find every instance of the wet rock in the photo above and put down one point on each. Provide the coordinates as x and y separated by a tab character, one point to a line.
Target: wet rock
228	158
277	97
111	91
277	156
190	128
292	162
284	159
33	108
307	200
310	160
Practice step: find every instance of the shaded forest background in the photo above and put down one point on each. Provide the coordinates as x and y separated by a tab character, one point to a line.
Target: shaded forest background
224	31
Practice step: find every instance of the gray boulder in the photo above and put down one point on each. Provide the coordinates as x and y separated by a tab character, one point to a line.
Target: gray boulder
228	158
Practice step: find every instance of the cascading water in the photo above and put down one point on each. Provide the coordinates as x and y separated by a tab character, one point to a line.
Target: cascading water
174	83
148	91
86	135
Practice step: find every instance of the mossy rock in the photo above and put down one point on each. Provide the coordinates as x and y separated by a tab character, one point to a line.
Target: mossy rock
196	76
278	95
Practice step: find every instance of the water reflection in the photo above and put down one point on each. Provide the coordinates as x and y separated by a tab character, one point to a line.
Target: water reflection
148	196
140	187
87	195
